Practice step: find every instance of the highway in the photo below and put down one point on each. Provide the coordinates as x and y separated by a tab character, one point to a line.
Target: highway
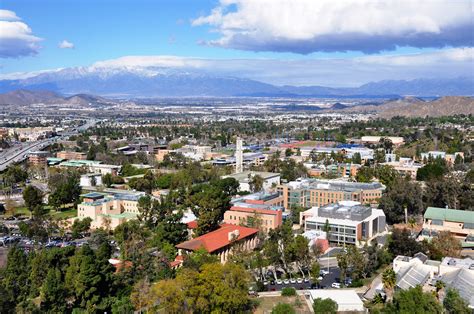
20	152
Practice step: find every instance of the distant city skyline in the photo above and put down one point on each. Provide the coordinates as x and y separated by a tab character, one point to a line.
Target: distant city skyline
279	42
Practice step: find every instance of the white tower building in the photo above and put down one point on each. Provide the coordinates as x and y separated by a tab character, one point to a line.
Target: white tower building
239	156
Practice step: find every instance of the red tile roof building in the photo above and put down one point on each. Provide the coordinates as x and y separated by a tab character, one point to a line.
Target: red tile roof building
221	241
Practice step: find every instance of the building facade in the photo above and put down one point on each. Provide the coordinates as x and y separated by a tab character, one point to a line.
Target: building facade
312	192
459	223
108	210
222	242
349	222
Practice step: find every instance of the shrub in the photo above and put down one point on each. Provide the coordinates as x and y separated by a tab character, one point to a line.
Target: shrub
288	292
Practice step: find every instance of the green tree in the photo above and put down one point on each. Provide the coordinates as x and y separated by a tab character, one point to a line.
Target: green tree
324	306
81	225
33	198
283	308
52	292
356	158
107	180
256	183
413	300
454	304
389	280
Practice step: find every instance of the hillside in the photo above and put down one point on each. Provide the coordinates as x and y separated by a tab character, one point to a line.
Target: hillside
26	97
415	107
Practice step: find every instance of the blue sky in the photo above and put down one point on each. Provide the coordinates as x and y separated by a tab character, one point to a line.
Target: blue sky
233	29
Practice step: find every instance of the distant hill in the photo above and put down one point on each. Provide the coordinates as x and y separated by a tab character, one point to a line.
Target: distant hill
415	107
27	97
149	82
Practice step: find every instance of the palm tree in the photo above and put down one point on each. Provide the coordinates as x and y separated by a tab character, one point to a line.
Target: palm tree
439	287
389	279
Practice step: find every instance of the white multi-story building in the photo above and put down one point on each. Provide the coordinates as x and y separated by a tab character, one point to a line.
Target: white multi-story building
349	222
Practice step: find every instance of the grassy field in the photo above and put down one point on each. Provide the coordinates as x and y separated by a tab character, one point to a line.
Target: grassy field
57	215
65	214
268	303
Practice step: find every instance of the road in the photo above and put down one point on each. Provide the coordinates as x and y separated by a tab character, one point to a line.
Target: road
19	153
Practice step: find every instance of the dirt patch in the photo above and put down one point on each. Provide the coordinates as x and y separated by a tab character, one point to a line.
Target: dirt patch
3	256
268	303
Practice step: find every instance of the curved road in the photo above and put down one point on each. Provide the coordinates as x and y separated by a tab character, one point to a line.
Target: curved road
18	154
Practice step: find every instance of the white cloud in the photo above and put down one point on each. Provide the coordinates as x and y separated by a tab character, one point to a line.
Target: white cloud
66	45
305	26
345	72
7	15
16	37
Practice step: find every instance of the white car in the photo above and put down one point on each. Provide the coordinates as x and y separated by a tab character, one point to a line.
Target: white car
324	272
299	280
293	280
286	281
320	278
336	285
279	282
265	283
306	279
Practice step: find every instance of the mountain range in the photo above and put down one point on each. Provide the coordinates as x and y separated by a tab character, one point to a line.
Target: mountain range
147	82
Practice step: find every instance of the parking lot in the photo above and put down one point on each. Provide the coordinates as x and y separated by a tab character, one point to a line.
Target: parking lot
326	282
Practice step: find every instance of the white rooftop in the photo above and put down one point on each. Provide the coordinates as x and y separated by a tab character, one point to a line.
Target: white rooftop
346	299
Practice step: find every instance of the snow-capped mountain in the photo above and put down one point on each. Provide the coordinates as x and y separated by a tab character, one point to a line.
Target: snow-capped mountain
129	81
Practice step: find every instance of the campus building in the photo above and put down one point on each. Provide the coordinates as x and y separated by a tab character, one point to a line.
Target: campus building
270	179
455	273
449	158
221	242
38	158
109	209
349	222
459	223
312	192
71	155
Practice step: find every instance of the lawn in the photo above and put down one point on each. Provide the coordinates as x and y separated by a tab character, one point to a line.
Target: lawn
65	214
268	303
57	215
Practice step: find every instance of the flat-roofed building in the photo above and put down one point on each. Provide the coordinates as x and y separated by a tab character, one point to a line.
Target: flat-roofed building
349	222
270	179
459	223
105	169
38	158
347	299
449	158
71	155
313	192
109	209
396	140
221	242
255	216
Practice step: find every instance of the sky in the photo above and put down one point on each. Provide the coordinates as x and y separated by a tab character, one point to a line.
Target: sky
298	42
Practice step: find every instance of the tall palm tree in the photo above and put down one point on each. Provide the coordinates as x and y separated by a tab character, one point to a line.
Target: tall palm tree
389	279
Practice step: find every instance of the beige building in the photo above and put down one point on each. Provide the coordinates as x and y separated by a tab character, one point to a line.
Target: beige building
460	223
221	242
71	155
313	192
108	210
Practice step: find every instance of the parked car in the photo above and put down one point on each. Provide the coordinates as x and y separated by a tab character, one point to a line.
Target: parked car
292	280
336	285
286	281
323	272
279	282
299	280
306	279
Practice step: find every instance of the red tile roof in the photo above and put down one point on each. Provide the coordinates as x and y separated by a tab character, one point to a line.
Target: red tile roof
192	224
217	239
